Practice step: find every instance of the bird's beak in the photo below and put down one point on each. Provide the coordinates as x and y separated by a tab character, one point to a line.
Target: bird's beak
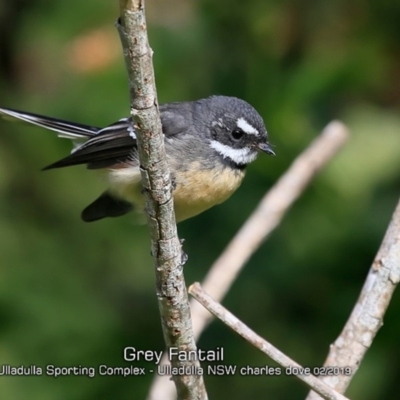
266	148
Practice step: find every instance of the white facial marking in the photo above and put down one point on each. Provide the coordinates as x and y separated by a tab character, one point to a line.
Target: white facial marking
238	156
246	127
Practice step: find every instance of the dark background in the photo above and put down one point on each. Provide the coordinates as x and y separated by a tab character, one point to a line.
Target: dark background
76	294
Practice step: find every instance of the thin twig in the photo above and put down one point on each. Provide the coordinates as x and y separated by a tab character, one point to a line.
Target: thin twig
367	316
166	247
243	330
258	226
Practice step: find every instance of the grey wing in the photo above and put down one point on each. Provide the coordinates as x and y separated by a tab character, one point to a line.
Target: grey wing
108	146
176	118
112	145
103	147
117	144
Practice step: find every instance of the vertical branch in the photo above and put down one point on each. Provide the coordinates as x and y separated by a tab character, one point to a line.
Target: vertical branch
367	315
166	247
258	226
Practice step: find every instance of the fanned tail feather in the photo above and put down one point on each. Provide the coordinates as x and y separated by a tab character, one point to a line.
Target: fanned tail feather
65	129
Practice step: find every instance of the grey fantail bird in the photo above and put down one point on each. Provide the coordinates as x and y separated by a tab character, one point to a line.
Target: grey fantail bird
208	143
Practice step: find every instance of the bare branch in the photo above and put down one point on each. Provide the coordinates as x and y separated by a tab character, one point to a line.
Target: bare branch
367	315
166	247
258	226
243	330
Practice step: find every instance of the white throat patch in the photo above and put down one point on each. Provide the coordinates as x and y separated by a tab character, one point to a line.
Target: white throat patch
246	127
238	156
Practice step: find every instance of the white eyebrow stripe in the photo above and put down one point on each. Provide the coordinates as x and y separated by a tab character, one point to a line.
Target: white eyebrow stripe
246	127
238	156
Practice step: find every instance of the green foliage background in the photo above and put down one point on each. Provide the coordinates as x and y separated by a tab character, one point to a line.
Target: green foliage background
76	294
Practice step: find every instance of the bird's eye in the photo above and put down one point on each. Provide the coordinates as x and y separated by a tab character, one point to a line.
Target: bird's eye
237	133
